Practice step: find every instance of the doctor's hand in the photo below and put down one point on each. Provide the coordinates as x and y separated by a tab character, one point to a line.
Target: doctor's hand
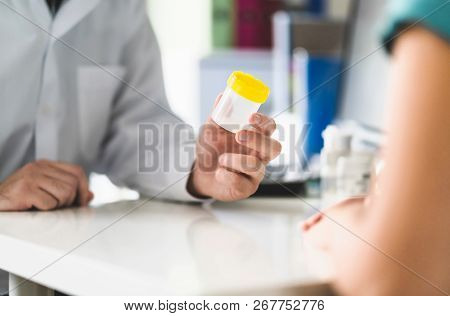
231	166
45	185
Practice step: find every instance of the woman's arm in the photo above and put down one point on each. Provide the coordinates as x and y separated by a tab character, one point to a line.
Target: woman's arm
403	243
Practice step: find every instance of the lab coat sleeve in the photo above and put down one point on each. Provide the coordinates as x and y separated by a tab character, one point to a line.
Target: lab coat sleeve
147	147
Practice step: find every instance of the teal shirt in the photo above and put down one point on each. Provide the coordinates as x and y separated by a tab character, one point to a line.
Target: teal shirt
431	14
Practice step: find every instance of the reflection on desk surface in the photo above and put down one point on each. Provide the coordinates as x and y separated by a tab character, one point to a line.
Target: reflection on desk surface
159	247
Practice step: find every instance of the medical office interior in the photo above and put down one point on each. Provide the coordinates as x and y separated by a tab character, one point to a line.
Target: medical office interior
328	74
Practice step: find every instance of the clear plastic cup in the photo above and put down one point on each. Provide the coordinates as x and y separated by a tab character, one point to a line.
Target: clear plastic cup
242	97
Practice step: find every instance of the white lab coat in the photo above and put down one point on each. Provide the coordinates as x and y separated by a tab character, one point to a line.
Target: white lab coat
62	100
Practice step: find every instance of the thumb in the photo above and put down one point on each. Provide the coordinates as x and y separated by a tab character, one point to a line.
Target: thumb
219	96
90	196
216	102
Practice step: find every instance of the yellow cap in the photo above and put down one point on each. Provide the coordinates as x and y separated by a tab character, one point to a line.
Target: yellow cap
248	87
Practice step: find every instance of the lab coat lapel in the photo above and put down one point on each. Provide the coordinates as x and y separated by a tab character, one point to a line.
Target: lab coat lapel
42	13
35	11
70	14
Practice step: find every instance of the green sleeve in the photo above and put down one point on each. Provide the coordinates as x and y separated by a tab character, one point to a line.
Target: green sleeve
431	14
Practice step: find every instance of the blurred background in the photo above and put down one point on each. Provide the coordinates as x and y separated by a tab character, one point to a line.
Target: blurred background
208	39
321	58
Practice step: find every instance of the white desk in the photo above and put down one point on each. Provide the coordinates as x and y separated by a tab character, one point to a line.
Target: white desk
160	248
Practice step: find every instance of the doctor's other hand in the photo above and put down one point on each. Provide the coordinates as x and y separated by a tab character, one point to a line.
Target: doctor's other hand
45	185
230	166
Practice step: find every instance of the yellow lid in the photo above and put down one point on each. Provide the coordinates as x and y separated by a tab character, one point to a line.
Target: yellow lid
248	87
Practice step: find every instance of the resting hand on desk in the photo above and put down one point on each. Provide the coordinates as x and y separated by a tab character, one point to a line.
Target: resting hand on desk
231	166
45	185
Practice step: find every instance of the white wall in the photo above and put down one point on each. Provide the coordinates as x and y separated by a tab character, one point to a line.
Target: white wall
183	30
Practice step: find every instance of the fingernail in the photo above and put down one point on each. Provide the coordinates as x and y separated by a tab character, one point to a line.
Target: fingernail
256	118
305	227
242	136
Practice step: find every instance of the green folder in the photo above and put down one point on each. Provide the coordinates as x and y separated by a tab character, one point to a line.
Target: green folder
222	23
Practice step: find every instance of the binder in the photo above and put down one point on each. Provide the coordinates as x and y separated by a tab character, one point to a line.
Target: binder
222	23
254	22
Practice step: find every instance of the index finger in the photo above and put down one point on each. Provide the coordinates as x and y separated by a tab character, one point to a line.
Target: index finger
263	123
311	221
